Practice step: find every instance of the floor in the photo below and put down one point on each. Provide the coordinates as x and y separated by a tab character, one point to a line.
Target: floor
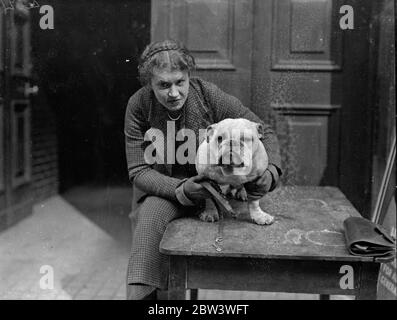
76	247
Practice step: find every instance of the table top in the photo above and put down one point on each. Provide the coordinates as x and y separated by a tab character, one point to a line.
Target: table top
308	226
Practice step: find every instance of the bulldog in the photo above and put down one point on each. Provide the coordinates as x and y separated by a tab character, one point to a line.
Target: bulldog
232	154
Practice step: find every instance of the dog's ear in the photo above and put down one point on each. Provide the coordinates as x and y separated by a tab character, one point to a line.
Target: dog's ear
210	132
259	129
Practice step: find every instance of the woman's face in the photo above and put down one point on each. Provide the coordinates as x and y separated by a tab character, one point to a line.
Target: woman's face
170	87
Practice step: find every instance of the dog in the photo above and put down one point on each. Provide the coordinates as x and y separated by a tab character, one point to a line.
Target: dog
233	154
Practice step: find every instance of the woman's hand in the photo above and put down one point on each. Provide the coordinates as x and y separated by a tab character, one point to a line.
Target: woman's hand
269	180
194	190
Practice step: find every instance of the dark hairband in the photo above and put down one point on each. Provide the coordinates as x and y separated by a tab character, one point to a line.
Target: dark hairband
163	48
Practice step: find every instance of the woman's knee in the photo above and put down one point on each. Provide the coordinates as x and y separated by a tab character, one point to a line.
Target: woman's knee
156	212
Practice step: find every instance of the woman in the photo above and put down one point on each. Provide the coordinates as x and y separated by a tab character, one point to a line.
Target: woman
165	190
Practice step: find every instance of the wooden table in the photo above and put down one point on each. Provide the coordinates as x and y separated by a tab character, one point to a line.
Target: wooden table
302	252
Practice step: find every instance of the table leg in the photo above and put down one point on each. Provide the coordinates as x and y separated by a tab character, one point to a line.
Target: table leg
193	294
368	281
177	278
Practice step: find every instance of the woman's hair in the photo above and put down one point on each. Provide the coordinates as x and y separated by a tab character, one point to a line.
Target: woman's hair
169	54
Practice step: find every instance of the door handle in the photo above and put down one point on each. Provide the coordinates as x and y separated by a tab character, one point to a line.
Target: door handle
30	90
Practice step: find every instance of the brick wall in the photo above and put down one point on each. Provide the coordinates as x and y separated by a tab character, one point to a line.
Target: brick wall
44	151
44	126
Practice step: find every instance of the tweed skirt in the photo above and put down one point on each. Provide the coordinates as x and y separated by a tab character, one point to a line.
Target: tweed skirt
146	264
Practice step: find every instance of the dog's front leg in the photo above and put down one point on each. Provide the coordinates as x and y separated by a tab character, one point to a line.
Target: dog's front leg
259	216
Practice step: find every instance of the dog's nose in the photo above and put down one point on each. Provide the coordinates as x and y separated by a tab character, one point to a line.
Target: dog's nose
237	164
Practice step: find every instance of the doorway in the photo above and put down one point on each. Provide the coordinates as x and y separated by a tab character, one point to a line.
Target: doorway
88	71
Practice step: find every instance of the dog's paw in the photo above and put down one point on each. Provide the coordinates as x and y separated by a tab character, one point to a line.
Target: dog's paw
261	217
209	216
241	194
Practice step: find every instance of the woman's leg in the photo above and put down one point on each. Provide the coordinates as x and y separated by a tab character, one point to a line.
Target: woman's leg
147	267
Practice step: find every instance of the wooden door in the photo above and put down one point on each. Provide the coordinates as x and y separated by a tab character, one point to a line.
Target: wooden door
313	77
289	61
15	116
297	56
274	56
219	35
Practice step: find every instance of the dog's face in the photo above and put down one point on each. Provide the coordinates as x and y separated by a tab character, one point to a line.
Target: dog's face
235	141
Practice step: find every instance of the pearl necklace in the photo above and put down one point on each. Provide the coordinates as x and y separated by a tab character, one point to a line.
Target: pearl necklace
174	119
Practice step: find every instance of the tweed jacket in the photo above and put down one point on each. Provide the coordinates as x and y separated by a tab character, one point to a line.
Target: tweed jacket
205	104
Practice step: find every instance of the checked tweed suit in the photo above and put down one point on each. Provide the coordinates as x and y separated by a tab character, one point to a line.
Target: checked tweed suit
154	202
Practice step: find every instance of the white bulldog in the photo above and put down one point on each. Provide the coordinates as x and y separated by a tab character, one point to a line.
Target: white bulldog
232	154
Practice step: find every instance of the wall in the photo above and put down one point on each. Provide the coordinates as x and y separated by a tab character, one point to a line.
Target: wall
87	66
44	151
44	129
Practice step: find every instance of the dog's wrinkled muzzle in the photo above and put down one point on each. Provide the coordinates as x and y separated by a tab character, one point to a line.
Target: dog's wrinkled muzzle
231	154
230	159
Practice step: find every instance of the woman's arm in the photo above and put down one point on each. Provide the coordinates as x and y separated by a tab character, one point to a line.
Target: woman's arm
141	173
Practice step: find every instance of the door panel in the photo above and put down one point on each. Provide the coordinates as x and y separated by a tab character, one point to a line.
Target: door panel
20	143
313	137
219	35
303	35
297	53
